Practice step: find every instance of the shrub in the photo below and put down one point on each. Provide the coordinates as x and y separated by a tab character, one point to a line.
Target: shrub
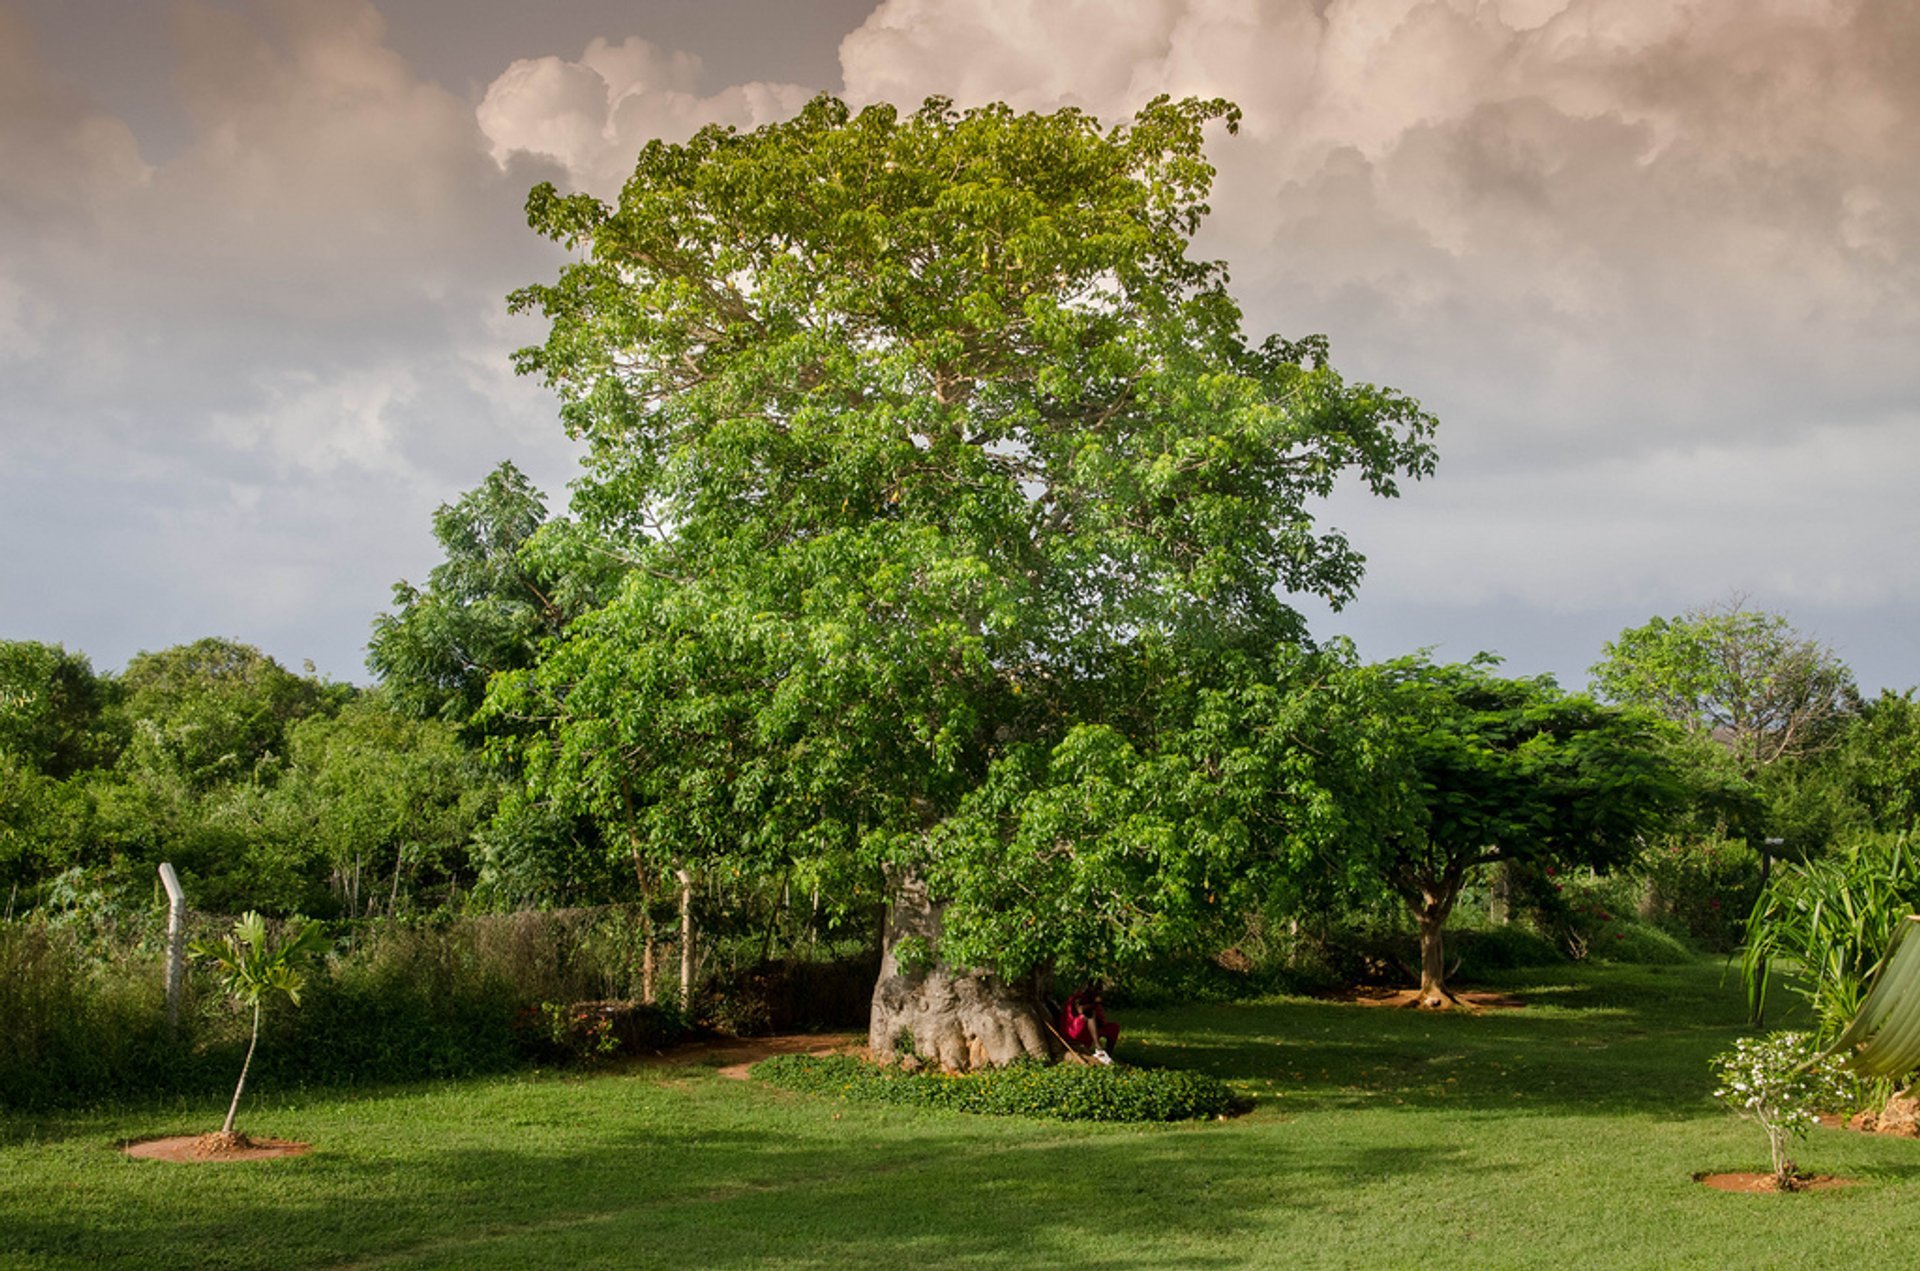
1701	888
1625	940
1835	918
72	1025
588	1032
1782	1081
1058	1092
1486	950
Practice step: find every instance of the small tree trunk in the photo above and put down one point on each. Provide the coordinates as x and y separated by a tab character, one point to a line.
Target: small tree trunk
686	937
1500	895
233	1109
958	1019
393	899
1431	913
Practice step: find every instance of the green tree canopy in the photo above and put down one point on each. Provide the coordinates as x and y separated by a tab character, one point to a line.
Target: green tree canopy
485	608
929	449
1515	770
53	709
214	711
1743	678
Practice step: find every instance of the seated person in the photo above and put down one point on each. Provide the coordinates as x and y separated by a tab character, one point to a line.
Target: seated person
1084	1023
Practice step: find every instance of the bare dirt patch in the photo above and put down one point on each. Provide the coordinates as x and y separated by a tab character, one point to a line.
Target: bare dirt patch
734	1055
1409	999
1769	1183
207	1148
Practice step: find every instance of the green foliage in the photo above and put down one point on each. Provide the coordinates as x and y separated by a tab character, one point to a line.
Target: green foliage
1878	763
1742	677
53	710
406	1000
1506	770
1485	951
46	825
1060	1092
252	969
1701	887
485	608
388	799
588	1033
1828	922
76	1024
214	711
1783	1082
950	486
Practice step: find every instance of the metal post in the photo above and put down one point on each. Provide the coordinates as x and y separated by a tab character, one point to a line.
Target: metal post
176	942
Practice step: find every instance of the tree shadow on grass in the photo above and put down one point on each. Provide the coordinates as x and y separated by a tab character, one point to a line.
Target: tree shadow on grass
1634	1041
841	1186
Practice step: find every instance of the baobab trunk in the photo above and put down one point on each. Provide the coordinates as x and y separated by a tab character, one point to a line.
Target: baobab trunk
959	1019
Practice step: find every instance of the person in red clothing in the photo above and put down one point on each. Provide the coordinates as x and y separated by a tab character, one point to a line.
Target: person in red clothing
1084	1023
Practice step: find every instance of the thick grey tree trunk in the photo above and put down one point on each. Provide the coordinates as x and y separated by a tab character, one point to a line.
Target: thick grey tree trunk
957	1019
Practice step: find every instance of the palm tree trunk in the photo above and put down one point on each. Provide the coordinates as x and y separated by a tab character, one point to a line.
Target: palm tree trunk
233	1109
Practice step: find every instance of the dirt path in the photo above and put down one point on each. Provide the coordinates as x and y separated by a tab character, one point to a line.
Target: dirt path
737	1054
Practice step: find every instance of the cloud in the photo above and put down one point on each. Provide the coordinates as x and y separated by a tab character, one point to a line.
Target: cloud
592	115
1635	254
240	379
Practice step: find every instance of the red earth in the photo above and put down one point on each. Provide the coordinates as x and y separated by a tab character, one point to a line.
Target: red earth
1767	1183
1469	999
205	1148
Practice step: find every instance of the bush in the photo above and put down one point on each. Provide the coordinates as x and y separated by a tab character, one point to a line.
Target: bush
783	995
72	1025
1628	941
1783	1081
1832	920
1701	888
1482	951
1059	1092
588	1032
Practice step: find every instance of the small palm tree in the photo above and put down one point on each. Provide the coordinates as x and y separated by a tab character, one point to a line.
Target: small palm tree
251	970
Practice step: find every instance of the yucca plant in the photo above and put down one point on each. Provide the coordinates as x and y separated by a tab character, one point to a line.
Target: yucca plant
1835	917
252	968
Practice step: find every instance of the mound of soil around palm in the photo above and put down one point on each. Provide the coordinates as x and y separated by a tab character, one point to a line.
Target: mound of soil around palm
1767	1182
203	1148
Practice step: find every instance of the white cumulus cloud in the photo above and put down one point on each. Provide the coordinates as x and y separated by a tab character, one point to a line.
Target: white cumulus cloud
593	114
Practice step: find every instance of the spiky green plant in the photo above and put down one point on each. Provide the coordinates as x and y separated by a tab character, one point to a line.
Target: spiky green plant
1836	918
251	968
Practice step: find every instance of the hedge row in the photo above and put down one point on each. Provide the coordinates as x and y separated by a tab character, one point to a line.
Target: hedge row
1056	1091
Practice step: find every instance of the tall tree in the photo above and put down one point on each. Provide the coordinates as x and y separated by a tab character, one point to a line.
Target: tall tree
945	476
1742	678
485	608
53	709
215	710
1507	770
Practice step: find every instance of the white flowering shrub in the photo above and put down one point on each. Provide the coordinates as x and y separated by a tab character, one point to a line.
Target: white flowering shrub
1783	1082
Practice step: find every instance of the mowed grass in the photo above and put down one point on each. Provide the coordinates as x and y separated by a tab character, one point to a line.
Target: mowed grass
1563	1134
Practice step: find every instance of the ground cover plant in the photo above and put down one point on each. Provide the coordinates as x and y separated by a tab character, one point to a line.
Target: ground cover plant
1056	1092
1566	1132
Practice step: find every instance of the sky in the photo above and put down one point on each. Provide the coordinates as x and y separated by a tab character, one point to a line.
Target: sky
1654	264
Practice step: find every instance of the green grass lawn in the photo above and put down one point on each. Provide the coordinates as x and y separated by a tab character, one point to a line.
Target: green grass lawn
1566	1133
